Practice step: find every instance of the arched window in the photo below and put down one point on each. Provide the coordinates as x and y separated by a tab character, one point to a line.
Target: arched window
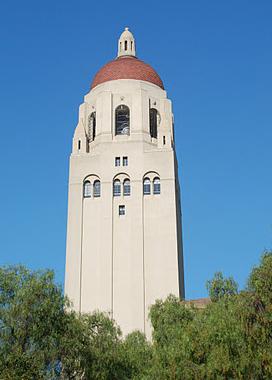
92	126
116	188
126	186
153	122
87	189
122	120
147	187
96	188
156	186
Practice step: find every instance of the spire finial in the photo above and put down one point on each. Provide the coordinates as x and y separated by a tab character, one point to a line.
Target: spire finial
126	44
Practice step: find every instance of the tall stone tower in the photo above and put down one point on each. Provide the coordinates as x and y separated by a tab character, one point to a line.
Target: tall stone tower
124	243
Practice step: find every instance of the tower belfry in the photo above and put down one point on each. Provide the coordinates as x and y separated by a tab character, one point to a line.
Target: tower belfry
124	243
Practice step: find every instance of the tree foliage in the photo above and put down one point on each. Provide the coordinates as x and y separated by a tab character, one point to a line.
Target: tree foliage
220	287
41	338
32	319
230	339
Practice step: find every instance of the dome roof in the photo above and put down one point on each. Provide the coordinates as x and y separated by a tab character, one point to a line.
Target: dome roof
127	67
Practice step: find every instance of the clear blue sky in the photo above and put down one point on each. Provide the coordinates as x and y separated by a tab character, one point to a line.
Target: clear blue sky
215	59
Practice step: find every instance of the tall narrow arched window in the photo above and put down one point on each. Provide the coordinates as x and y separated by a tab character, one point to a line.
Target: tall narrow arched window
126	186
156	186
96	188
116	188
122	120
153	122
92	126
87	189
146	186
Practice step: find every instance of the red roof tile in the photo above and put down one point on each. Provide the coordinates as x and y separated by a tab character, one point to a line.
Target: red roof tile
127	68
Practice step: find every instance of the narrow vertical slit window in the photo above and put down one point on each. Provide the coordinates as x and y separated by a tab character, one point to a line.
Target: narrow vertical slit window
79	144
126	45
96	189
156	186
153	122
126	185
87	189
146	186
116	188
92	126
125	161
163	140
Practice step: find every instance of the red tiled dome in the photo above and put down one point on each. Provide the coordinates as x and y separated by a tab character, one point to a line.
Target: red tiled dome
127	67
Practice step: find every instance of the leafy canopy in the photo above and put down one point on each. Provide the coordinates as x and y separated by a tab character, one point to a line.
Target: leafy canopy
41	338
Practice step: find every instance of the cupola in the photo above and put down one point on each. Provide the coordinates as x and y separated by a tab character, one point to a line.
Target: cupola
126	44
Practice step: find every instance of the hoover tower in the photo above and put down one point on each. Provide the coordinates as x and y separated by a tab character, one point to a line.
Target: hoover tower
124	241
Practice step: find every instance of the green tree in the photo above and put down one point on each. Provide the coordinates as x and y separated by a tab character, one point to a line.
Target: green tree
257	316
220	287
32	322
137	356
73	347
103	358
170	320
230	339
260	280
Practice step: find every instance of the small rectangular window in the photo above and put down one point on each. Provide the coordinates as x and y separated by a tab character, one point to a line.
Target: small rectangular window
125	161
117	161
122	210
